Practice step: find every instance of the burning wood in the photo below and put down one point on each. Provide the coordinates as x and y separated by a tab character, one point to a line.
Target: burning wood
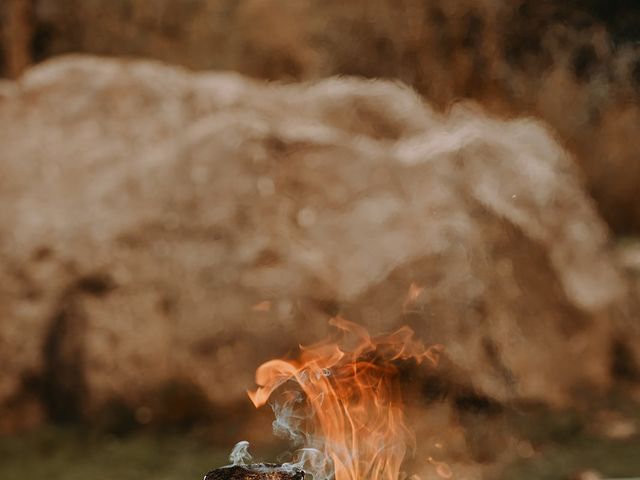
240	470
255	471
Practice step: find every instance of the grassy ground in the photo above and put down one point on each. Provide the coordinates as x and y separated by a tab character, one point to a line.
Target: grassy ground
611	459
602	437
563	443
54	454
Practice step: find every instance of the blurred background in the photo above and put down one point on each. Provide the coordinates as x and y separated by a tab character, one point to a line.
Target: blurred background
191	187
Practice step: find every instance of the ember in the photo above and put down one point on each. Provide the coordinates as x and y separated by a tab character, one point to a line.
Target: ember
256	471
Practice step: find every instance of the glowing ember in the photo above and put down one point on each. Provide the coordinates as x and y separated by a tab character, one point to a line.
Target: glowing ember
442	469
412	296
344	407
264	306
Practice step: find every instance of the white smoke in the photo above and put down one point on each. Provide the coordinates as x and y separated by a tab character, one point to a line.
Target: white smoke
313	462
310	460
289	423
240	454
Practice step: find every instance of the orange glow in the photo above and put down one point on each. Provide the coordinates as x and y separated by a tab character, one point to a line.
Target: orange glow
412	295
442	469
264	306
414	292
344	403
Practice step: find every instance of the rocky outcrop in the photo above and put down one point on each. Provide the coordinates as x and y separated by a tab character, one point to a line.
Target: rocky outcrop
164	226
575	64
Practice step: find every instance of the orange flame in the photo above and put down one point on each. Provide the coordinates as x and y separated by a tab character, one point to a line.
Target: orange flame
346	405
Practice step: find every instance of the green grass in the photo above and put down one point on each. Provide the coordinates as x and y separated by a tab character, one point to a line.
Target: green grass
54	454
567	444
612	459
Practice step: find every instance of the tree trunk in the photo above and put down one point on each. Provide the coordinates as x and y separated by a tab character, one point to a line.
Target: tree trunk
17	35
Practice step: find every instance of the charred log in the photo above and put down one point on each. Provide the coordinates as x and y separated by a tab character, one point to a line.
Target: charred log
256	471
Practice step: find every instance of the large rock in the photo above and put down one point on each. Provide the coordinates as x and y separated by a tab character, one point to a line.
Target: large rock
575	64
166	226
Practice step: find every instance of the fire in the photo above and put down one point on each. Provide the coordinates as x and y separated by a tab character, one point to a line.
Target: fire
343	405
414	292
